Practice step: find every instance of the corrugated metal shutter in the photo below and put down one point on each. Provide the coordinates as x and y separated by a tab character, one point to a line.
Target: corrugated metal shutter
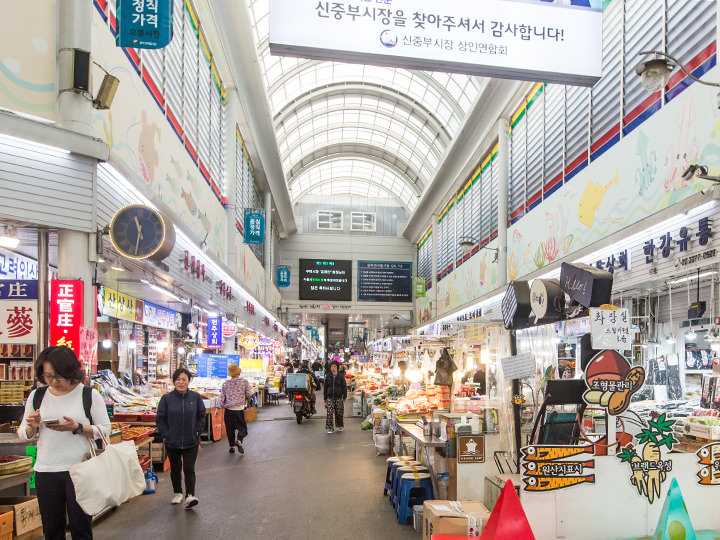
174	63
494	197
217	139
460	211
239	181
576	123
204	89
54	187
190	82
518	169
154	61
605	96
486	204
554	126
691	28
476	192
643	31
535	136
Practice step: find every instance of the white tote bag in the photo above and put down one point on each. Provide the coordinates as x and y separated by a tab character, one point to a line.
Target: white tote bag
108	479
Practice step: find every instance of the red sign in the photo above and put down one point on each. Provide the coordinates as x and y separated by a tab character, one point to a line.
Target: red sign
66	313
88	349
229	329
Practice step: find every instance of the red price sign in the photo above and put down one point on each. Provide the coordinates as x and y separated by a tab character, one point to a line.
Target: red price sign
66	313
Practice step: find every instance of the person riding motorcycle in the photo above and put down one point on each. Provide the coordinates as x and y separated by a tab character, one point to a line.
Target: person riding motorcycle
315	384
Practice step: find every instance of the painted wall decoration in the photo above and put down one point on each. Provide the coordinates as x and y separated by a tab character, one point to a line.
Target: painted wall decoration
648	468
611	381
709	457
551	467
137	133
27	66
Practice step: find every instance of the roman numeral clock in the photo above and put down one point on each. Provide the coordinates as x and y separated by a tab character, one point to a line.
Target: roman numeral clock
140	232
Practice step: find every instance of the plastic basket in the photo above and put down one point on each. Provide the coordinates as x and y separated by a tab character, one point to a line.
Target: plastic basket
22	464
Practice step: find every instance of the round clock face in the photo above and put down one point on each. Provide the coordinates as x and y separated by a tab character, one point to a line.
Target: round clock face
137	231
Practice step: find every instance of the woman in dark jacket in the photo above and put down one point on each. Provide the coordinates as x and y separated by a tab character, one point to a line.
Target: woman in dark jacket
180	420
335	394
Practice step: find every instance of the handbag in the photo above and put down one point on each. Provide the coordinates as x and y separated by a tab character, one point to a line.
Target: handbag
107	479
250	414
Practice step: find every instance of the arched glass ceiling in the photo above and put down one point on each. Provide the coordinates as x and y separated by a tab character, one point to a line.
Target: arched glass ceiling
371	174
412	115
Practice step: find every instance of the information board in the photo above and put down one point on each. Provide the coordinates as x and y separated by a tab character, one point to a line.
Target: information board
380	281
610	329
214	365
322	279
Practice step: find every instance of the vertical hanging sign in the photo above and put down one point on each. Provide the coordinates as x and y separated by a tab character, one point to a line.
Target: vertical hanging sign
254	226
144	24
283	276
66	313
420	287
214	333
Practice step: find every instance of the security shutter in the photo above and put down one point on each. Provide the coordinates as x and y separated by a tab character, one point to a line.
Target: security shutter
494	197
486	220
554	124
476	191
518	169
576	123
190	81
217	139
174	63
204	87
460	210
691	27
153	61
239	181
535	135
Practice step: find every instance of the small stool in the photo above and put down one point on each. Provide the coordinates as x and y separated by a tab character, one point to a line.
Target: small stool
398	474
393	476
408	483
390	460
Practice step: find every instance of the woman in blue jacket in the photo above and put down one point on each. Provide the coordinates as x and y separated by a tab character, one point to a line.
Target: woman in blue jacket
180	420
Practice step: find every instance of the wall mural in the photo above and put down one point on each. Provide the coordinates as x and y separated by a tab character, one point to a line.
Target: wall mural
634	179
137	131
27	66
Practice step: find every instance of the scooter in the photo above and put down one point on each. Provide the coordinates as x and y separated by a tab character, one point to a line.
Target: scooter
302	406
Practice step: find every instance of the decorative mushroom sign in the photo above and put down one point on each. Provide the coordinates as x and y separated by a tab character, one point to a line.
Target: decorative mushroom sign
611	381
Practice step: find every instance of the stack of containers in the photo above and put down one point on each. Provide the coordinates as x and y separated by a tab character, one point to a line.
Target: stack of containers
443	393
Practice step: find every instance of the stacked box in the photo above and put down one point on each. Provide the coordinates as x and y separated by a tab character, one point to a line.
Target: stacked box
13	392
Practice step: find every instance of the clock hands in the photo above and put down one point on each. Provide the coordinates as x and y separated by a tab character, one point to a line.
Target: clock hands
139	236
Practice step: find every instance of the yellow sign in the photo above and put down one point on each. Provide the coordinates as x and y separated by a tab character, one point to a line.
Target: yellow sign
249	340
120	306
251	364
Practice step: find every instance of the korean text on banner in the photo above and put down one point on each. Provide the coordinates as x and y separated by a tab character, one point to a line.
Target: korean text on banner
144	24
254	232
610	329
214	333
66	313
283	276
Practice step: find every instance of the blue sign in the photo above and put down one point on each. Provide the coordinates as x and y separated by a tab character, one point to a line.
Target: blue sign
144	24
215	365
254	231
214	333
283	276
18	289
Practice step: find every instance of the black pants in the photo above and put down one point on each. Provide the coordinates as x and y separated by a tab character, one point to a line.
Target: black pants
56	496
235	422
182	460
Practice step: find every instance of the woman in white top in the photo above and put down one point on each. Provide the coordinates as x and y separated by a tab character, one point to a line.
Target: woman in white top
64	433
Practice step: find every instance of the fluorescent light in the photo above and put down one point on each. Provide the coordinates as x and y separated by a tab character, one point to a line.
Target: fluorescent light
211	302
163	291
117	268
9	241
39	145
692	277
100	260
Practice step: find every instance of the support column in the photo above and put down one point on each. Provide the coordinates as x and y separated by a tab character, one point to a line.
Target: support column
43	262
231	159
75	19
434	293
268	247
504	165
73	263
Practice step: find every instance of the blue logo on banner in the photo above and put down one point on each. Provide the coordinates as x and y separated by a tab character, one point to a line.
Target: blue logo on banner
18	289
144	24
283	276
254	226
214	332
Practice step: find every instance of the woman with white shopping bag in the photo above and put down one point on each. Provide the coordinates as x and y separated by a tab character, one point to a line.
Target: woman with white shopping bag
66	416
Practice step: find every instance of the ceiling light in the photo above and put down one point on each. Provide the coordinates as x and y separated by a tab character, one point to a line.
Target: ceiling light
670	339
164	291
10	242
211	302
100	260
117	268
654	74
181	350
132	343
690	334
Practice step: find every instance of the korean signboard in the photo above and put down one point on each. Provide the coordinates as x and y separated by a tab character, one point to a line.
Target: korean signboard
214	332
254	232
159	317
66	312
610	329
144	24
325	280
265	348
14	266
249	340
420	287
384	281
88	349
18	321
283	276
214	365
527	40
112	303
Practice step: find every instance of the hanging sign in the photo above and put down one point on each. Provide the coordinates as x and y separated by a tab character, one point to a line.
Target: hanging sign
66	312
18	321
229	329
612	382
159	317
254	232
144	24
518	367
88	348
283	277
471	449
214	332
249	340
112	303
420	289
277	348
610	329
550	467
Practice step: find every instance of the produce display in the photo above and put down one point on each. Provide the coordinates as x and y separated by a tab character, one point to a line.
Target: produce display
136	433
14	464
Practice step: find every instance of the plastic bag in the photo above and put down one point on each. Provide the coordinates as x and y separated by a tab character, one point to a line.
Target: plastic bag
382	444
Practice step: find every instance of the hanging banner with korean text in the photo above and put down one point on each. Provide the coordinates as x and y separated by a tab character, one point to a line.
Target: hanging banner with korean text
610	329
214	332
66	313
420	287
144	24
283	277
254	232
527	40
88	349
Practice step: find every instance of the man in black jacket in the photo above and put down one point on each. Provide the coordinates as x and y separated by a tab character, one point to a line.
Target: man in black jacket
335	395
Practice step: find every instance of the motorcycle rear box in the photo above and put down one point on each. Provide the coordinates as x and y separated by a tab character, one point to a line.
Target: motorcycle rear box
298	381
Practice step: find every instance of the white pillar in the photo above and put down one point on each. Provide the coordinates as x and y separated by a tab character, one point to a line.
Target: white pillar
504	165
75	18
74	263
434	293
268	247
231	158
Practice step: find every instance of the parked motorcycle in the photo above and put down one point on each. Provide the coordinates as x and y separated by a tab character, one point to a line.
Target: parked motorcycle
302	406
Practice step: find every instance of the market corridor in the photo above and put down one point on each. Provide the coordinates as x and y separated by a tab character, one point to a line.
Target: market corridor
293	482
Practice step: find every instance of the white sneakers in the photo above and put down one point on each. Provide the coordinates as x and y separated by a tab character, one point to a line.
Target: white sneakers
191	501
177	499
330	431
340	429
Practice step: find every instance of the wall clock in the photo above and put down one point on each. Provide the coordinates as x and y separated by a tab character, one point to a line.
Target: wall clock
140	232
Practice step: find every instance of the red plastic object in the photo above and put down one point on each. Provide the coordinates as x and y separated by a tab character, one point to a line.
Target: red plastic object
149	417
126	418
450	537
508	520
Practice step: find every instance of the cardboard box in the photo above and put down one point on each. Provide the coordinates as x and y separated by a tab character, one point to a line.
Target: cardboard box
26	512
6	526
464	518
31	535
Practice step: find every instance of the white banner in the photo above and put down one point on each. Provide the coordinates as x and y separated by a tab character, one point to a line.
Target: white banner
610	329
528	40
18	321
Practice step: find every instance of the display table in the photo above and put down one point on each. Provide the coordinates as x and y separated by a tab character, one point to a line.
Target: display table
423	444
12	480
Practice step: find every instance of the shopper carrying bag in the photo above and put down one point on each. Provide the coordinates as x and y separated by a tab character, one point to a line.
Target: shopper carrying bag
65	426
180	420
235	398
